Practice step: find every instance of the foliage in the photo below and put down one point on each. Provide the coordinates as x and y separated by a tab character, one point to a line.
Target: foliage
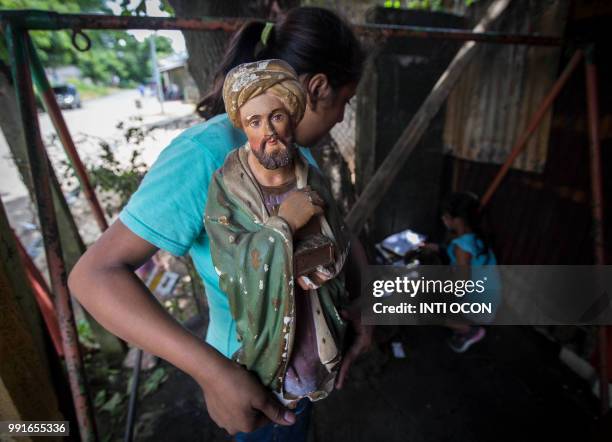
115	57
100	399
114	180
431	5
113	405
85	334
434	5
141	7
153	382
118	55
112	176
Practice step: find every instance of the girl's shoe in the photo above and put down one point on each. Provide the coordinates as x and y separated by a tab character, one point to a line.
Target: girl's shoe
460	342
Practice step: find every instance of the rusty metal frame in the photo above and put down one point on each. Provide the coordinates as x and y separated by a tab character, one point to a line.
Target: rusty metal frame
597	200
597	203
534	123
18	44
18	23
57	118
43	20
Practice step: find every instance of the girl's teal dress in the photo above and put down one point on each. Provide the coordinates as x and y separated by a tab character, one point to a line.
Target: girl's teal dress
483	265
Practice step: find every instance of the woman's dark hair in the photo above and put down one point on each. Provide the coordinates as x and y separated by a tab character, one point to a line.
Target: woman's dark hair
312	40
466	205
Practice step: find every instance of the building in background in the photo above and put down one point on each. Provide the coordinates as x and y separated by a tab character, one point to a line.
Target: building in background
177	83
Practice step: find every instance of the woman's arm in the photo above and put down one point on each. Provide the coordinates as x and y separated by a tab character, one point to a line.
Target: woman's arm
104	282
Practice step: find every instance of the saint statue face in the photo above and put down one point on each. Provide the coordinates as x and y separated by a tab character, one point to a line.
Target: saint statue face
269	129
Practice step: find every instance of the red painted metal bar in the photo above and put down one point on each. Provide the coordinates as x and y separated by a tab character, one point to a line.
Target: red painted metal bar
521	144
48	96
42	295
595	161
17	43
597	211
47	20
52	21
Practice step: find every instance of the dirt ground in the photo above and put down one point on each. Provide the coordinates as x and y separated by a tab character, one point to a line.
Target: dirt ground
509	387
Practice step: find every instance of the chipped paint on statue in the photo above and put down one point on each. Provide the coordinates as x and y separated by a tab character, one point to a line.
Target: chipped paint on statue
252	248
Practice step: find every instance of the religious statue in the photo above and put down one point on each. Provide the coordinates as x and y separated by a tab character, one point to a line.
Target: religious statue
277	239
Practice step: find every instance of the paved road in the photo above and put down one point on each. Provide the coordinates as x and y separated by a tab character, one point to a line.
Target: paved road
98	118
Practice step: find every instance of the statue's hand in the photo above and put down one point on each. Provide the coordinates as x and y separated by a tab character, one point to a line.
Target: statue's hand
300	206
314	280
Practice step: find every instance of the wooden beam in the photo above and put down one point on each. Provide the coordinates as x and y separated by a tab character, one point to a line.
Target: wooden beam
18	283
26	389
407	142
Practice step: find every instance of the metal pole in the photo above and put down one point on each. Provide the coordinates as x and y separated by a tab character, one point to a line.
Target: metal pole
399	31
595	158
521	144
597	211
48	96
17	43
155	69
47	20
129	423
34	19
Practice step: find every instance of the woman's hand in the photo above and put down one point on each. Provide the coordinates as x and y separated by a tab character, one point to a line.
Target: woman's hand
316	279
237	402
300	206
104	282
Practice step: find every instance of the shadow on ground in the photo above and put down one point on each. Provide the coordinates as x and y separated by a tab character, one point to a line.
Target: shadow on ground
509	387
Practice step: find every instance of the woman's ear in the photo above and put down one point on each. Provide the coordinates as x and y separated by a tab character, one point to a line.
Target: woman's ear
317	89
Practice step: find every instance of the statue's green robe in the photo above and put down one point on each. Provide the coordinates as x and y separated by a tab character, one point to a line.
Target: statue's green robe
253	256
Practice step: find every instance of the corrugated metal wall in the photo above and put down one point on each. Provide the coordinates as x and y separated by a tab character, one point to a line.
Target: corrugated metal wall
539	215
490	106
545	218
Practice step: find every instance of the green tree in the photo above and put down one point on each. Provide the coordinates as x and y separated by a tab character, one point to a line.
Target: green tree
117	53
112	53
55	46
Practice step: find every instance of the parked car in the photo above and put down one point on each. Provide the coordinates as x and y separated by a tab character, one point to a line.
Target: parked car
67	96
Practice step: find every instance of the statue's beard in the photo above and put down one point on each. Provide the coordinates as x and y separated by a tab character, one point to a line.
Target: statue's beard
282	156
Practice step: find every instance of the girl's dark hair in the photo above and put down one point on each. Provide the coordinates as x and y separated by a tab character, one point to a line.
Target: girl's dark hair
466	205
312	40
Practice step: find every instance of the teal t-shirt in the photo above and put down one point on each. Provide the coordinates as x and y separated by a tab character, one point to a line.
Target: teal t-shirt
470	243
167	210
483	266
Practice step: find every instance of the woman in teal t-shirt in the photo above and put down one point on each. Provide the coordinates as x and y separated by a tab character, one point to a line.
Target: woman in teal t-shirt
167	212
